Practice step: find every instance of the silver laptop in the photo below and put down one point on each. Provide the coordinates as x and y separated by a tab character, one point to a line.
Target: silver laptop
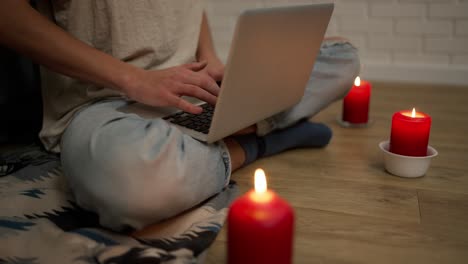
271	57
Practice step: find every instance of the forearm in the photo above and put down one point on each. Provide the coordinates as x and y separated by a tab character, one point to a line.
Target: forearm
22	28
206	48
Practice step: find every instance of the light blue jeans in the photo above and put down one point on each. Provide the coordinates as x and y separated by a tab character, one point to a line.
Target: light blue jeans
134	171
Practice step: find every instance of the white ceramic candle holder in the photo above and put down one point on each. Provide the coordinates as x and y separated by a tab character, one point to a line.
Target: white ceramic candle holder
346	124
406	166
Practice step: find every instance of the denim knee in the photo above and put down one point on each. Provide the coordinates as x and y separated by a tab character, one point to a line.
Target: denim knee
124	190
134	172
339	59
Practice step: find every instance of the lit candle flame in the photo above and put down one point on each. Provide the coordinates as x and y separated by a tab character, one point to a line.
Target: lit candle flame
413	114
357	81
260	181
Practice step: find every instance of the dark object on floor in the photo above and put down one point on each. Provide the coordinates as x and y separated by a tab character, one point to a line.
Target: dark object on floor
20	98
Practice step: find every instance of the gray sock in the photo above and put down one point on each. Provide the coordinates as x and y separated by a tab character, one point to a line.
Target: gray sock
249	144
304	134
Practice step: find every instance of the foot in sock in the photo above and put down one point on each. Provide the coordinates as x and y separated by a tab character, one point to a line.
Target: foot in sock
304	134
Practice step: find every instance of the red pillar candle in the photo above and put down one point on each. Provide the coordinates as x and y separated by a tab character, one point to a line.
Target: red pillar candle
410	133
356	103
260	227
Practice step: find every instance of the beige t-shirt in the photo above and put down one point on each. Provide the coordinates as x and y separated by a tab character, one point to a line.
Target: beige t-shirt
150	34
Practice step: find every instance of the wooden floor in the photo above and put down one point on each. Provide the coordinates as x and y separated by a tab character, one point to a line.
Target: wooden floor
349	210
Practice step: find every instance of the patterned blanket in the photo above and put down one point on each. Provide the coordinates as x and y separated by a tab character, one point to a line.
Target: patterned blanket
40	222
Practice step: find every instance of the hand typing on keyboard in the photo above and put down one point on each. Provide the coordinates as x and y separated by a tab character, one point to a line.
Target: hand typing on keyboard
202	122
199	122
166	87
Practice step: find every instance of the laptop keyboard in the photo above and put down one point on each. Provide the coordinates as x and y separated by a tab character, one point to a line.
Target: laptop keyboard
200	122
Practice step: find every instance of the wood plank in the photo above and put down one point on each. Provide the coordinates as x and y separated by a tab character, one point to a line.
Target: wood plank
340	238
444	209
216	254
349	210
326	237
355	151
365	166
304	190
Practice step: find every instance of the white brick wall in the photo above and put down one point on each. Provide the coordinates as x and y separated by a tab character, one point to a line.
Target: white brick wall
399	40
396	9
